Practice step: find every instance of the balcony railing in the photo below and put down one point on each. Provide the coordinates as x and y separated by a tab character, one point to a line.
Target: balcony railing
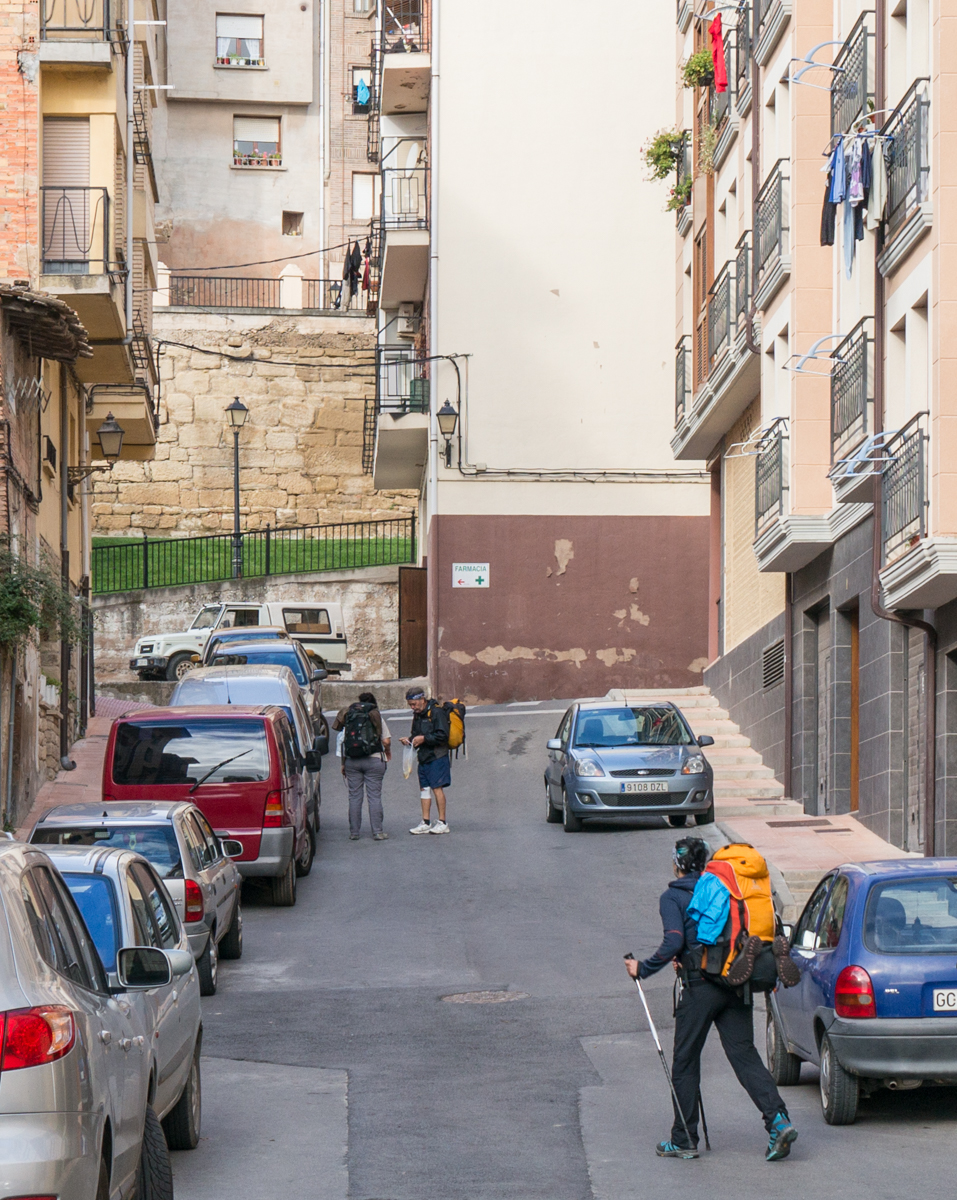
326	295
852	390
405	27
74	20
742	50
770	472
401	386
742	273
682	376
374	126
142	150
76	230
212	291
907	152
729	301
773	232
720	102
904	490
405	197
852	86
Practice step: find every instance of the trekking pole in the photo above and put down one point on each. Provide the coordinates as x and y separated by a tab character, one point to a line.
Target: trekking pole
661	1054
704	1123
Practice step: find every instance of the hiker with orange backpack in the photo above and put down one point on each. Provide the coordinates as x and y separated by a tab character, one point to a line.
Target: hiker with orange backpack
430	738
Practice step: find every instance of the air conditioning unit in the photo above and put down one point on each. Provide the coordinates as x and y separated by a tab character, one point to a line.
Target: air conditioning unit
407	322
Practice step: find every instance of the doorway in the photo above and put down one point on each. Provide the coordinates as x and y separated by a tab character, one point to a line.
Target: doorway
823	710
413	622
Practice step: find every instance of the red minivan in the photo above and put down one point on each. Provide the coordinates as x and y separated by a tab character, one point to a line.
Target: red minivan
239	764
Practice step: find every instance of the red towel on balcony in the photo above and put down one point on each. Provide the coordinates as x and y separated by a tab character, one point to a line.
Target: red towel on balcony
717	55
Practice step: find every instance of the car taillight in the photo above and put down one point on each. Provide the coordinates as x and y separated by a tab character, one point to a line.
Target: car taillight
272	818
854	994
193	910
34	1036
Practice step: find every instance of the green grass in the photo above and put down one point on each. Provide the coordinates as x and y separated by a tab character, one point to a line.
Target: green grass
185	560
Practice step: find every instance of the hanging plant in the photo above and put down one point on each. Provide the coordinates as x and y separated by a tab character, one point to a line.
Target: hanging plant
707	143
680	196
698	71
33	605
664	152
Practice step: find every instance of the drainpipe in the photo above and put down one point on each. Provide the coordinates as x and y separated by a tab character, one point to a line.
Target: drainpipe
433	483
129	176
751	344
323	138
65	762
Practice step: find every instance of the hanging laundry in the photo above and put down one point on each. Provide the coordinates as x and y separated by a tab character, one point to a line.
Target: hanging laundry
828	216
860	209
877	199
838	177
362	92
367	277
717	55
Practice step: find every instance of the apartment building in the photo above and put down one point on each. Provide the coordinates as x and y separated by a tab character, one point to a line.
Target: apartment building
813	284
521	386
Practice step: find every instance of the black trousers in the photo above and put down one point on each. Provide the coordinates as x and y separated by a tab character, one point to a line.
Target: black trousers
702	1005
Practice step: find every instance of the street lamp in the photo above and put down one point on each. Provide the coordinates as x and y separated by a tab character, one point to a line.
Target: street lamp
447	418
236	414
110	436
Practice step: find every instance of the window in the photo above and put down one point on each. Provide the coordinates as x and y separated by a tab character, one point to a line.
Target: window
804	934
833	919
307	620
565	728
214	751
207	617
631	727
363	6
365	196
60	936
155	842
239	40
361	89
256	142
292	224
212	841
195	844
241	618
96	901
270	655
915	916
155	913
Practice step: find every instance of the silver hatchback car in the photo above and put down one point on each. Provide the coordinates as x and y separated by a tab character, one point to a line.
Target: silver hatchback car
75	1115
194	864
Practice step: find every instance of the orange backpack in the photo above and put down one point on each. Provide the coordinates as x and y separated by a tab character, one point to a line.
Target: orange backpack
745	874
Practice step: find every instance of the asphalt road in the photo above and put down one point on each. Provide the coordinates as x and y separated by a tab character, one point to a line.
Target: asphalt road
336	1070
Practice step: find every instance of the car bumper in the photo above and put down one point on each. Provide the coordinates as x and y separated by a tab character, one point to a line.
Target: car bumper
148	662
604	797
53	1154
275	851
198	937
882	1047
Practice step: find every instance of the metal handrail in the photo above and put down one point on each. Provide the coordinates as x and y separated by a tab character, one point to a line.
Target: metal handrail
682	376
852	83
904	499
405	197
852	389
79	20
402	384
719	313
907	153
742	299
405	27
218	291
772	216
74	220
770	470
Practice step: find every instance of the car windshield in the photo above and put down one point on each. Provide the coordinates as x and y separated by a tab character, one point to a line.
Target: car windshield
96	900
913	916
207	618
646	726
278	656
155	842
156	753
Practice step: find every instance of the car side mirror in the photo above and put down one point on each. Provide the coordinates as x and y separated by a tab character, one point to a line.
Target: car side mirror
232	847
312	761
321	744
139	968
706	740
181	961
553	744
319	674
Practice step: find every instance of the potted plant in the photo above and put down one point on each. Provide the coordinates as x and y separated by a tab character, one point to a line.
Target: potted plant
698	71
664	152
680	196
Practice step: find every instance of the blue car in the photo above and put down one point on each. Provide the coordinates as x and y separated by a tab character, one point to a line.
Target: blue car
876	1006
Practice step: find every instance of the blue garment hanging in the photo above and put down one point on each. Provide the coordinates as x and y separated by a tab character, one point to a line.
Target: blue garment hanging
838	174
362	92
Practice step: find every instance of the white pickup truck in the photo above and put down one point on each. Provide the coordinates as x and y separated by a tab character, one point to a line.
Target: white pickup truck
318	624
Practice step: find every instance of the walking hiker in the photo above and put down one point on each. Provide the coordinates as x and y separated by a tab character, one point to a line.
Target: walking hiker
706	1000
430	736
366	751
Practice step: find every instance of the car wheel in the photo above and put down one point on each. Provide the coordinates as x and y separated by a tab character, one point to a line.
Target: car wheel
705	818
304	864
232	944
207	966
785	1067
678	821
283	887
840	1091
155	1180
552	815
103	1181
178	666
184	1121
570	823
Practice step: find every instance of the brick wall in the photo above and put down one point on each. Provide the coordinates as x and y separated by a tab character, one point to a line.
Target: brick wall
19	129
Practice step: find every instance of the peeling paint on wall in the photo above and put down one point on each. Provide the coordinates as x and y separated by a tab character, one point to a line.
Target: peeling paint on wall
460	656
564	553
492	656
639	616
698	665
611	656
620	613
633	584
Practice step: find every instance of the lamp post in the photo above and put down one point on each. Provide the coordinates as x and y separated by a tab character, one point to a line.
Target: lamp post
447	418
236	414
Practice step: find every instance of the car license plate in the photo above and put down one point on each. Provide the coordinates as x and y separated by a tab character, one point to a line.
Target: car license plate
644	787
142	662
945	1000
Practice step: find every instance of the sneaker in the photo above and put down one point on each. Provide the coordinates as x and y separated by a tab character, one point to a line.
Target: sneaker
381	836
353	837
782	1134
670	1150
439	827
422	827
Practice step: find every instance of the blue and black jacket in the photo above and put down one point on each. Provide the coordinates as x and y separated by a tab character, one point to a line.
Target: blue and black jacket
680	930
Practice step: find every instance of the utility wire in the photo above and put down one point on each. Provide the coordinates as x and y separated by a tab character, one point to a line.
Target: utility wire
262	262
251	358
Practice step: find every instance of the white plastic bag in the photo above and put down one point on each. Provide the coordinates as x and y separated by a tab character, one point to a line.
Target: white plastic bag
408	760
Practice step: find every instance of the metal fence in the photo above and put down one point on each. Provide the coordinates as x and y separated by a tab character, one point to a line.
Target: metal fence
74	20
773	225
401	384
903	490
742	272
328	295
405	197
76	230
719	313
133	565
216	291
853	76
682	376
405	27
742	50
770	466
907	152
852	390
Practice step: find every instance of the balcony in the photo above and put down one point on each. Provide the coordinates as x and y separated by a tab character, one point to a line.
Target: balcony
402	419
770	478
852	87
405	63
907	151
852	391
288	292
772	241
75	32
730	372
684	183
133	406
742	61
682	377
772	18
405	234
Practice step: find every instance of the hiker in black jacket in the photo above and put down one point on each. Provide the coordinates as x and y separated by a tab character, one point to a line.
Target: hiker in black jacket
430	737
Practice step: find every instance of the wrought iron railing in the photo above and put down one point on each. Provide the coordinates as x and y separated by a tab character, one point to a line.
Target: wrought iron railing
74	20
903	490
401	383
368	435
76	230
328	295
742	274
374	127
405	27
142	150
852	390
720	306
773	223
217	291
720	102
405	197
907	152
766	6
742	50
852	86
770	473
682	376
134	564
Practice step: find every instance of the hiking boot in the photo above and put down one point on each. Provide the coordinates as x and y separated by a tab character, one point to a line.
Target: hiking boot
353	837
788	972
742	968
670	1150
422	827
381	836
439	827
782	1134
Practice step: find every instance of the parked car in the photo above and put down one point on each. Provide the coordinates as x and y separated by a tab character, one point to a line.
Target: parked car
317	624
78	1066
244	633
194	865
876	1007
280	654
611	759
264	684
124	903
238	764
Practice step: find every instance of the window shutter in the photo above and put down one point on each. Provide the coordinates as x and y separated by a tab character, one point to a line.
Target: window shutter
66	151
229	25
66	195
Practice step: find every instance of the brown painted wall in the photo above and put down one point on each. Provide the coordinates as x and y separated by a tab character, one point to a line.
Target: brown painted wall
577	605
